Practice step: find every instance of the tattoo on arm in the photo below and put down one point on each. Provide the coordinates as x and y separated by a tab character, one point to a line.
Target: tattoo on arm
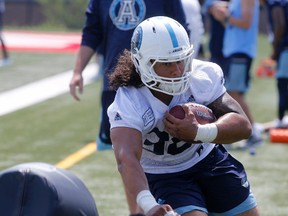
225	104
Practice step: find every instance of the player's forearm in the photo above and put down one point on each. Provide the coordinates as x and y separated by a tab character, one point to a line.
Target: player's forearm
134	181
246	18
232	127
83	57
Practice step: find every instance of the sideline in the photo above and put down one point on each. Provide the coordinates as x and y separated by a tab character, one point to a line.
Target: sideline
36	92
39	91
42	90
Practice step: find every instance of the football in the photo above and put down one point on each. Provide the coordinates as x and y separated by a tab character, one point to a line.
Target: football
177	111
203	114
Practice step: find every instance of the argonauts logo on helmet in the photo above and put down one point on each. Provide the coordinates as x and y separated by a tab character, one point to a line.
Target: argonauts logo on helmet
136	40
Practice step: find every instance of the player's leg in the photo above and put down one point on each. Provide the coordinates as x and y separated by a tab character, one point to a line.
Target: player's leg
237	78
225	185
282	86
180	191
103	140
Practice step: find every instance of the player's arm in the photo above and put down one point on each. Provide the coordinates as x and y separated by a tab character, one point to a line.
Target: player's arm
222	14
245	21
232	123
127	144
83	57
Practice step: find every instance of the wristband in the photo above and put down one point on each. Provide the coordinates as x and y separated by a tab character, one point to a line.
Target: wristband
146	201
170	213
206	133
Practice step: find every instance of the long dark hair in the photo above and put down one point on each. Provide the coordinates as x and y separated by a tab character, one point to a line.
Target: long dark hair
124	73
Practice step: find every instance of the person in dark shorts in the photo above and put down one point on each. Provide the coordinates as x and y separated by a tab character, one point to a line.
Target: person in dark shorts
109	26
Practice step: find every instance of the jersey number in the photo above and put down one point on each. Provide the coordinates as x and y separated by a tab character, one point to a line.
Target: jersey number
158	148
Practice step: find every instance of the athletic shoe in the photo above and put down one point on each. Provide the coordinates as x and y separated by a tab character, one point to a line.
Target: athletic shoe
252	142
280	124
102	146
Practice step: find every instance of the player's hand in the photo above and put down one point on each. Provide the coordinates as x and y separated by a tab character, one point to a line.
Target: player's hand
162	210
219	12
76	83
183	129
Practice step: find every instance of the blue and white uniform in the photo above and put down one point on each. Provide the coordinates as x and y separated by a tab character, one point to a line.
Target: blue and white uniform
187	176
139	109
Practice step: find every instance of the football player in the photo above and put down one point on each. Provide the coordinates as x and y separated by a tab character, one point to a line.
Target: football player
162	168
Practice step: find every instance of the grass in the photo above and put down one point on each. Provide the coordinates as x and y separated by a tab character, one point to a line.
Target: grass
50	131
29	67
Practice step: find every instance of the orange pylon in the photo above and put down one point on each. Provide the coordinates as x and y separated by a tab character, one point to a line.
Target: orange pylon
279	135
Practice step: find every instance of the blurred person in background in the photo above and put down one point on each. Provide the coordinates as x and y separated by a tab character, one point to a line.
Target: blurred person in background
109	25
216	31
241	19
278	23
192	9
5	57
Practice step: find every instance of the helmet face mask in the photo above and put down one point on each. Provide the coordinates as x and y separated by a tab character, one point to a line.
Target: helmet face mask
161	39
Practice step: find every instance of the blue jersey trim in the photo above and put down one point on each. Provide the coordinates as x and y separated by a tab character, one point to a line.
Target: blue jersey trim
189	208
248	204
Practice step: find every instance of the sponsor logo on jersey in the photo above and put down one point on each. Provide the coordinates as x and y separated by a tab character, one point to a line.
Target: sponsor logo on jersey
191	99
117	117
161	201
127	14
245	183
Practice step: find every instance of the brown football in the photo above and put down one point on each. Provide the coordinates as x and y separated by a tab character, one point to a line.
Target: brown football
177	111
202	113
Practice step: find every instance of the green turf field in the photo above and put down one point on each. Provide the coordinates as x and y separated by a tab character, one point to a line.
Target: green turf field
52	130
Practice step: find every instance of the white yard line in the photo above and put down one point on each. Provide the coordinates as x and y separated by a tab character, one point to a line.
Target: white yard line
42	90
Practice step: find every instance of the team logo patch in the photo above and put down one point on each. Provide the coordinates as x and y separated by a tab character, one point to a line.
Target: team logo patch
148	117
127	14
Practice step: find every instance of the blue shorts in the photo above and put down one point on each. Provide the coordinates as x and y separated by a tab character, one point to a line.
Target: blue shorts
237	73
282	65
218	184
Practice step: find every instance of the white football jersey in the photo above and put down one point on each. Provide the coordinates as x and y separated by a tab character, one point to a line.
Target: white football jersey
137	108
